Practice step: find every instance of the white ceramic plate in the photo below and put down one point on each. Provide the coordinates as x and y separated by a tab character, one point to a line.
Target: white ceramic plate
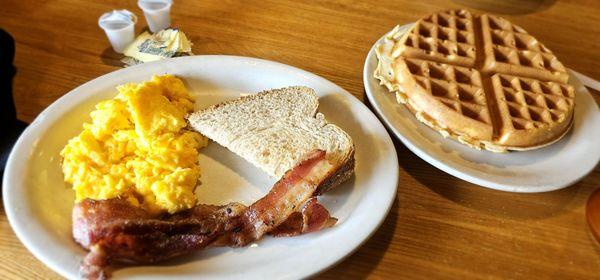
38	203
554	167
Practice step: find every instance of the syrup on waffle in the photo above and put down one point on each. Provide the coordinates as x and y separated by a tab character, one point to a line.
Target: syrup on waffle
481	80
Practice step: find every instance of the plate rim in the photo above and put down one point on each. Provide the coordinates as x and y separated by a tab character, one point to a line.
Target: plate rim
25	141
439	163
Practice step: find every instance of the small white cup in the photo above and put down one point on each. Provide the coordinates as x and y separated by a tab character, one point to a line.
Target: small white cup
118	26
157	13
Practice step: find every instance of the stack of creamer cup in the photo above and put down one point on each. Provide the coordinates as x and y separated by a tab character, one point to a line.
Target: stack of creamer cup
119	24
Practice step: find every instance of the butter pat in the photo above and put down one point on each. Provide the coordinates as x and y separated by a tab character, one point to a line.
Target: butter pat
152	47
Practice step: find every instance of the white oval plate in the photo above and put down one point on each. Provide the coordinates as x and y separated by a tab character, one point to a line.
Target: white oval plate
38	203
554	167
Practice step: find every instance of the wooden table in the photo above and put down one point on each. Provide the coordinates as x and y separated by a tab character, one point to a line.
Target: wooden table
439	226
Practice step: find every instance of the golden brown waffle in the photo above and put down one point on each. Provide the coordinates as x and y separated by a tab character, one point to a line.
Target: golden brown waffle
481	80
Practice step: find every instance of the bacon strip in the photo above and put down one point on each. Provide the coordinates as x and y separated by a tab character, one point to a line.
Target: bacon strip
313	217
114	231
285	198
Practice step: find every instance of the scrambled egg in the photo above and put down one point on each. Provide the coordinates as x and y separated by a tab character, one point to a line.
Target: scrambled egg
137	147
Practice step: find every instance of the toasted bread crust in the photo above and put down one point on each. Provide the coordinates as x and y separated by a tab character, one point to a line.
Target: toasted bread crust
240	100
343	172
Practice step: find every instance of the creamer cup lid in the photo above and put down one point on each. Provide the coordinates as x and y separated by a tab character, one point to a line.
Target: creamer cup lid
117	16
149	5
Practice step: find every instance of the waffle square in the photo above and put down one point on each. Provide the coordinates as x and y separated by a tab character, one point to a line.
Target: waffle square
510	49
458	88
529	108
445	37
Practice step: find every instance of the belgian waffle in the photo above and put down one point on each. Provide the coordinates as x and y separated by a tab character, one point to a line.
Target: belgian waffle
478	79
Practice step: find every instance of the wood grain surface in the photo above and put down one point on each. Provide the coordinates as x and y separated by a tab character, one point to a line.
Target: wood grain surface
439	226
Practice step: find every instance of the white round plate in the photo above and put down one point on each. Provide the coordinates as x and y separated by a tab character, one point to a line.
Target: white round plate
38	203
550	168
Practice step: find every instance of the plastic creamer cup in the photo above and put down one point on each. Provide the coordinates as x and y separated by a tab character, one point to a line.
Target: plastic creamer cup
118	26
157	13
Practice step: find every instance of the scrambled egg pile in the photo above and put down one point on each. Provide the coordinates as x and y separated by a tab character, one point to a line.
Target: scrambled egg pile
136	147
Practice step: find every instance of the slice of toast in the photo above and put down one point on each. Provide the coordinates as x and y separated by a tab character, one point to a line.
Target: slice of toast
275	128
